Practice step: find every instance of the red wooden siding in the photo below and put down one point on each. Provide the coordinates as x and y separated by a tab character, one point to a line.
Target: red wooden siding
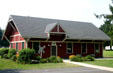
60	29
90	48
77	48
54	29
46	49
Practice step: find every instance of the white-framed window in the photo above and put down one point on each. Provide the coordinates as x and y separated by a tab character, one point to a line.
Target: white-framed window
84	48
69	48
97	48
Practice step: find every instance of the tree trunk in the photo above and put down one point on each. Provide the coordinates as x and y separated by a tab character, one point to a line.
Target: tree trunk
111	44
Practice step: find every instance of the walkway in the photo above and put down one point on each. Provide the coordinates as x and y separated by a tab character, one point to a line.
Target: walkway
89	65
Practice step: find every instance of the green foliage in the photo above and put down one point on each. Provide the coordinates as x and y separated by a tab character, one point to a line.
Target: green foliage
59	60
5	56
3	43
43	60
13	58
80	59
37	57
3	51
26	56
11	52
54	59
77	58
107	27
89	58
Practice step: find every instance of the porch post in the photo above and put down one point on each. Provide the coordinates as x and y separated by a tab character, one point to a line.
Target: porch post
27	42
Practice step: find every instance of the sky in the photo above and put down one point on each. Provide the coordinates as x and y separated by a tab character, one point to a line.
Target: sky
75	10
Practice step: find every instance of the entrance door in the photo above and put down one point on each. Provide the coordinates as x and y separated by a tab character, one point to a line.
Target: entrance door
53	50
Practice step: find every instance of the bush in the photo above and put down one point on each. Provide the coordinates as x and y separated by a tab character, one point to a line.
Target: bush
59	60
76	58
5	56
26	56
43	60
37	59
14	58
54	59
3	51
11	53
71	56
89	58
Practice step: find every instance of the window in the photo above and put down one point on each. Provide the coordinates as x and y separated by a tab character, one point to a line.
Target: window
69	47
36	46
84	48
22	45
96	48
11	45
16	46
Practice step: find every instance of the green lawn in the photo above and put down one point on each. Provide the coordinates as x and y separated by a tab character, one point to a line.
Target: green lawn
108	53
107	63
9	64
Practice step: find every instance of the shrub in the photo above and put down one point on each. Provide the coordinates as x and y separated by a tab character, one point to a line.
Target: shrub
5	56
54	59
11	52
76	58
89	58
43	60
3	51
59	60
84	59
14	58
17	54
26	56
71	56
37	59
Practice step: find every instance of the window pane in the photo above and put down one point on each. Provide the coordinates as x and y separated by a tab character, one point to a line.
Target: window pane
83	48
22	45
36	46
69	47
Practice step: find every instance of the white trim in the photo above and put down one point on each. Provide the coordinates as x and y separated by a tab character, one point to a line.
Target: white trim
17	41
65	41
15	35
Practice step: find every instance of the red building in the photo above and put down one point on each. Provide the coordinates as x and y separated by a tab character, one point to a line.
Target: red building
58	37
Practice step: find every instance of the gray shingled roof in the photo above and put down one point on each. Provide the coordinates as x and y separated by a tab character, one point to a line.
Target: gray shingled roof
33	27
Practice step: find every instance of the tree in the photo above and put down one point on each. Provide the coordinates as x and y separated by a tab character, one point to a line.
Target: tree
3	43
107	27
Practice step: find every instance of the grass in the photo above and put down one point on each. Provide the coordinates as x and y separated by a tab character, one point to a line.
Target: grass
106	63
108	53
9	64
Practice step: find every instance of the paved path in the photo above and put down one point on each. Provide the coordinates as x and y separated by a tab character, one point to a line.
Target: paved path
91	66
63	70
